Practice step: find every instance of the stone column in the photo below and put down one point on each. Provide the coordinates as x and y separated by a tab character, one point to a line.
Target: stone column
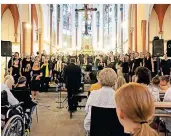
101	31
73	26
94	26
148	36
143	27
40	40
58	20
15	35
135	26
32	24
26	41
116	19
51	35
121	9
130	38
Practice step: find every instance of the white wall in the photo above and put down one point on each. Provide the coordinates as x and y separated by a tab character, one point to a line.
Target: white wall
167	24
154	27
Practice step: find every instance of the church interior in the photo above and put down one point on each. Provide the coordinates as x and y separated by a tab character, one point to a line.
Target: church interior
77	29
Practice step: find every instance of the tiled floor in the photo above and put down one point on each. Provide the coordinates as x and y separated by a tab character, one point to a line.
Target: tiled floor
56	122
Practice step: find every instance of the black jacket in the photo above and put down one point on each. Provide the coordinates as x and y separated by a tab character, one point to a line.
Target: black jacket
72	76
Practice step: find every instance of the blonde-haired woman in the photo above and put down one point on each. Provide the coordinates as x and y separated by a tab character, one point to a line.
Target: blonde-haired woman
102	97
135	108
120	81
35	84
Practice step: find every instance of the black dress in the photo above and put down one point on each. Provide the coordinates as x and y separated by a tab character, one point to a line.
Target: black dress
35	84
147	63
15	73
28	76
166	65
136	64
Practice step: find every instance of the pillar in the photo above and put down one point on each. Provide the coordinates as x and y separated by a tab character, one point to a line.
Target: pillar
143	27
32	27
40	40
73	26
58	20
148	36
135	26
51	35
94	26
101	31
116	15
26	41
15	35
121	9
130	38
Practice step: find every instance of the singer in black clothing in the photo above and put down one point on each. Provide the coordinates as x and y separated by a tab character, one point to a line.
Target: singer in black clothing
136	62
125	68
148	62
166	65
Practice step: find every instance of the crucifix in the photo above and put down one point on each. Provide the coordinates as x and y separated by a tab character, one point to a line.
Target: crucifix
85	10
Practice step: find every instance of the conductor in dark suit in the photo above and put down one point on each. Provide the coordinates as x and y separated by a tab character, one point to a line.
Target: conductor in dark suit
72	77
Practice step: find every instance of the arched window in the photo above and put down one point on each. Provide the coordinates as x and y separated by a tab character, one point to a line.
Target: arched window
107	25
67	25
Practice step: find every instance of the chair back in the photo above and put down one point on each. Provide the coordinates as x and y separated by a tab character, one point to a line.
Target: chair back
4	98
104	122
22	96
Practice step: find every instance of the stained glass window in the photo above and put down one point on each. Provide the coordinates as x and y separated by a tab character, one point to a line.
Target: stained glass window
67	24
107	25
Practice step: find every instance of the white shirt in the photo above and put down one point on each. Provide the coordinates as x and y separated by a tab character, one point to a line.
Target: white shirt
154	90
167	96
104	97
11	99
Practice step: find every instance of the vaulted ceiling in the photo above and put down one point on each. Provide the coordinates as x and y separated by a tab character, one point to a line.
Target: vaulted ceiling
15	13
161	10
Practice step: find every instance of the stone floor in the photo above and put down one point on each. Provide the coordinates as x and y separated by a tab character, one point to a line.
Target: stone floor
54	121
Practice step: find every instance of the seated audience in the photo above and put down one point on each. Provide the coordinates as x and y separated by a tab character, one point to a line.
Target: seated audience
120	81
167	96
22	93
164	85
155	89
97	85
143	76
135	108
103	97
7	86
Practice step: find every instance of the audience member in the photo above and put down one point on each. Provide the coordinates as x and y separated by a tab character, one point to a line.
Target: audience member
120	81
7	86
164	83
103	97
97	85
135	108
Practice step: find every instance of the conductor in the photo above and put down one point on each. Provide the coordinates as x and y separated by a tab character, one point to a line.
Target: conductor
72	77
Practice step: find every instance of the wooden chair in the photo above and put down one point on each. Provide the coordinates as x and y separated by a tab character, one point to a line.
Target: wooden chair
104	122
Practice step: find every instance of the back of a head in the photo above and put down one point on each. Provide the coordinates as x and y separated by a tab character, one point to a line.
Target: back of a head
156	80
143	75
73	60
22	80
107	77
9	81
136	104
120	81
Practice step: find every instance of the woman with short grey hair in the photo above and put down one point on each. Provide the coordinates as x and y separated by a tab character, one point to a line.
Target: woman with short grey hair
103	97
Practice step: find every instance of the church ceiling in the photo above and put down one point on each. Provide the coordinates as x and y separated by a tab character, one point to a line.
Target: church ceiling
161	10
